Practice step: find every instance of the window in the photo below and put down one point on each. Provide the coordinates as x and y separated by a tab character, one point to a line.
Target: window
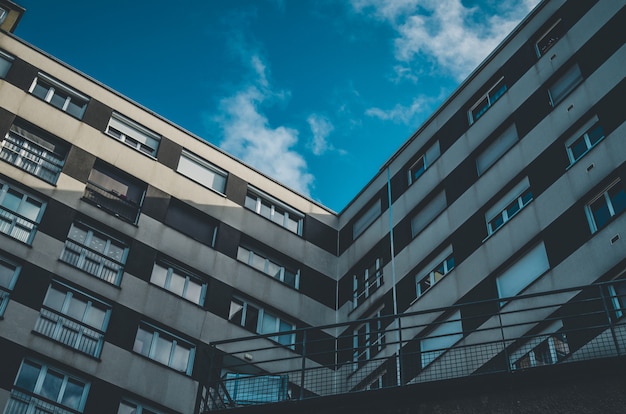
272	267
604	206
366	282
34	151
428	213
95	252
74	319
487	100
508	206
255	319
164	348
39	388
249	389
20	213
549	38
115	192
523	272
552	350
191	222
131	407
6	60
564	85
586	138
616	294
366	218
3	14
133	134
59	95
423	162
496	149
368	339
9	272
443	336
202	171
178	281
274	210
425	282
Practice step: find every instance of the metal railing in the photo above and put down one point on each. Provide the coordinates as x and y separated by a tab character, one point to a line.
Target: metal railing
92	262
493	336
72	333
31	157
112	202
22	403
17	226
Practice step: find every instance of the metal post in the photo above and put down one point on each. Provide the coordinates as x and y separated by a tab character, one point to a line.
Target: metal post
303	364
397	318
609	319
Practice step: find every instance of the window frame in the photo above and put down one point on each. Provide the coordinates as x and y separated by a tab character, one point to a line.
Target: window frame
258	197
555	27
20	142
268	261
206	166
53	86
129	133
136	407
366	219
54	323
496	149
428	212
7	58
34	397
500	213
242	320
94	254
500	88
175	341
426	159
604	194
7	289
189	277
17	220
365	350
447	265
448	330
508	281
583	133
369	285
567	87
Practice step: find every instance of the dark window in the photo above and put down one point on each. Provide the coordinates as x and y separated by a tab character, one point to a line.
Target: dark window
191	222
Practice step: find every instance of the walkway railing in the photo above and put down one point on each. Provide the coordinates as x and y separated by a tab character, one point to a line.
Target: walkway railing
502	335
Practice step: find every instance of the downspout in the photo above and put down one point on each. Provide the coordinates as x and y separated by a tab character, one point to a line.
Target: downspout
393	286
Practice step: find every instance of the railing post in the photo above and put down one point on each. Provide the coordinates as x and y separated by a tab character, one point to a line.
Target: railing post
303	364
504	347
609	320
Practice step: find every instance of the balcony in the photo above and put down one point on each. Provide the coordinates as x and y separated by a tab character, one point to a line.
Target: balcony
112	202
17	226
502	337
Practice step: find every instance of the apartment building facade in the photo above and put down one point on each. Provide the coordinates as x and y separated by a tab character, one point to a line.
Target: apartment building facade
129	247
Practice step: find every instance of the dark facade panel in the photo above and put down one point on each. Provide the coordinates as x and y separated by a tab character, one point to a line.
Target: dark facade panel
122	327
566	234
21	74
191	222
6	119
346	233
97	115
31	286
320	234
236	189
610	108
460	179
452	130
155	203
78	164
468	237
318	286
57	220
140	259
218	298
169	153
228	240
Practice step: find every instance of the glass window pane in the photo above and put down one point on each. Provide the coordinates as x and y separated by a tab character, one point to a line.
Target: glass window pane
58	99
600	211
273	269
268	324
243	254
55	299
51	385
258	262
618	198
78	234
76	309
12	200
159	275
251	202
143	340
180	359
162	350
578	148
236	311
29	373
7	271
194	291
115	252
95	317
73	394
595	134
252	317
177	284
76	108
98	244
127	408
30	209
40	90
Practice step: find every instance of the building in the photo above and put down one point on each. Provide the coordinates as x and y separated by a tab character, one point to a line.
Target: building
134	256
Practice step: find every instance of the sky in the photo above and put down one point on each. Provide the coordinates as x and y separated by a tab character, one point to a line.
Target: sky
317	94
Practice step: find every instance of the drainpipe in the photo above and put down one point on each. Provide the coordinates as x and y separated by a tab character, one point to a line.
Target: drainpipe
393	286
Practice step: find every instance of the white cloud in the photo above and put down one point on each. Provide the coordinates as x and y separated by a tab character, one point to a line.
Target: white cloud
321	127
456	37
404	114
248	135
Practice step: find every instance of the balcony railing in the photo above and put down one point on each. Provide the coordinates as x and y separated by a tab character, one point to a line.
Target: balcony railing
17	226
496	336
69	332
22	403
112	202
31	157
92	262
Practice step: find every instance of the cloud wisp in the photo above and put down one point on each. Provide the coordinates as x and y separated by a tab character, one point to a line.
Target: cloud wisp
248	134
455	37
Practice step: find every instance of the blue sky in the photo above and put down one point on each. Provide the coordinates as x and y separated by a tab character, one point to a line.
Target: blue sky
317	94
